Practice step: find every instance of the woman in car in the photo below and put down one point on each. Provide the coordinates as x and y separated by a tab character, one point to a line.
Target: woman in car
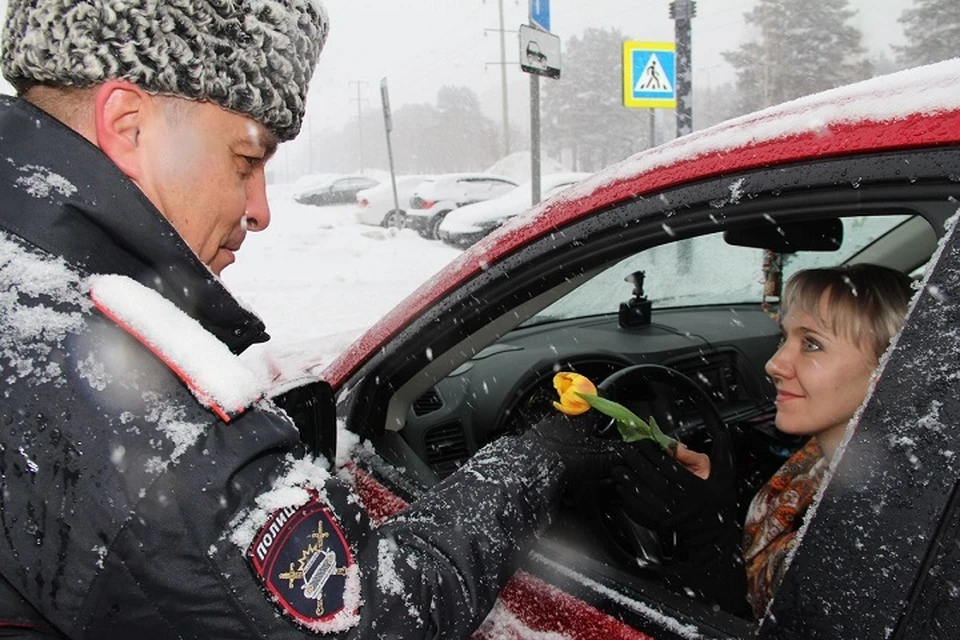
835	323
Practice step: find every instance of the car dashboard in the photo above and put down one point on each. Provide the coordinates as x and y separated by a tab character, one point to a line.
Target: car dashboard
507	387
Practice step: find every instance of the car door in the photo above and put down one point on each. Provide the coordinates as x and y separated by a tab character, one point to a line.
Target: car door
345	189
319	197
481	310
472	190
499	187
881	557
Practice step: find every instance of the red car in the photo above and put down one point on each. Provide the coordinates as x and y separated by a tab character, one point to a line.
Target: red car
714	220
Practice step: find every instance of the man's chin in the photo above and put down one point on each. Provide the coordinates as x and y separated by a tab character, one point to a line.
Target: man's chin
223	259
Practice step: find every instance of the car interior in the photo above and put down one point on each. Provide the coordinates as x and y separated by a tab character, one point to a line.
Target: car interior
708	319
677	325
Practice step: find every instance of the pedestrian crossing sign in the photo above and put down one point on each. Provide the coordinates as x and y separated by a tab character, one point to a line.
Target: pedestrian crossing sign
650	75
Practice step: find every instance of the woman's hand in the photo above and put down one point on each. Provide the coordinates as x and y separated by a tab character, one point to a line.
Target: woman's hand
694	496
689	492
693	461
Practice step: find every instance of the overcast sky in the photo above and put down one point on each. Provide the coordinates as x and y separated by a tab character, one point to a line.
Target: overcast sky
421	45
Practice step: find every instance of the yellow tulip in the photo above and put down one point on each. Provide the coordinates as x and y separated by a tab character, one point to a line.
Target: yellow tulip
569	385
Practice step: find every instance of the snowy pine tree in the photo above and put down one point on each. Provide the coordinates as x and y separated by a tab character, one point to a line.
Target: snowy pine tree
452	135
583	113
801	47
464	138
932	28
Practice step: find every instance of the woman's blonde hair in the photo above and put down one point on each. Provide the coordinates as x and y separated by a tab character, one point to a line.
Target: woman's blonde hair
867	303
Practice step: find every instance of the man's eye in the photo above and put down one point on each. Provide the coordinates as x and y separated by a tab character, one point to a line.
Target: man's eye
254	162
809	344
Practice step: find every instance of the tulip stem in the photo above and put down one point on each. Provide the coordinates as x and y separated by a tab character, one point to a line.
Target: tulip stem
631	426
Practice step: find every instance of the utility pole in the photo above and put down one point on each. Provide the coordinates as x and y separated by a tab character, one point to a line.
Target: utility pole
682	12
539	55
535	138
503	84
359	100
388	128
653	129
503	79
310	140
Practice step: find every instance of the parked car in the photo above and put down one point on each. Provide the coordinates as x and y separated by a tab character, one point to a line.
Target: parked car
464	226
433	199
865	173
376	205
336	190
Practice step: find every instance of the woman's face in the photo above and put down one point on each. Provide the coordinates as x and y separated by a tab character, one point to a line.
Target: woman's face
821	378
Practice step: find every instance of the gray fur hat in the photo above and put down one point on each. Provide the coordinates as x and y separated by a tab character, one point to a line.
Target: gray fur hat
253	57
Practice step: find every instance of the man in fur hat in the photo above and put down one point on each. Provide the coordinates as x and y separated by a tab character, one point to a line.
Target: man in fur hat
147	489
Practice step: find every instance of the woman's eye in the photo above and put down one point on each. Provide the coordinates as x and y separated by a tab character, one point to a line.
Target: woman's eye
809	344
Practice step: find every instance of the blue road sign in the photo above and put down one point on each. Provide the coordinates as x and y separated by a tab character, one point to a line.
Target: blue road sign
540	14
649	74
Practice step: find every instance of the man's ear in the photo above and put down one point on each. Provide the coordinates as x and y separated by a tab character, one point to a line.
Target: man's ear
121	110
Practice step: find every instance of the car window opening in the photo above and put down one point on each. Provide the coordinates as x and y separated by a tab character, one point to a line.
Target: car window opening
710	314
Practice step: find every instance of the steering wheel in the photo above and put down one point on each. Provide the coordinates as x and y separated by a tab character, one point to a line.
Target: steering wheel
683	411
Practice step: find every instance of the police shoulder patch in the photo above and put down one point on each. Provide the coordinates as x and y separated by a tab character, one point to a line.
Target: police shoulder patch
303	559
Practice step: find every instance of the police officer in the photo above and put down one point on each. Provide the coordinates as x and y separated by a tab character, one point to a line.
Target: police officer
148	490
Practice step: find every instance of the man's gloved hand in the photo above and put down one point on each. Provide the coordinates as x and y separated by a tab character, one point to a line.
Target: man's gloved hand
586	457
663	495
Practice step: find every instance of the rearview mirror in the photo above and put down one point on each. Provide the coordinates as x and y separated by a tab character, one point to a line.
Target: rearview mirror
789	237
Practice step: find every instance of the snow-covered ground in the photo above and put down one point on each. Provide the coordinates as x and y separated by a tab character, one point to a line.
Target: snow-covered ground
319	279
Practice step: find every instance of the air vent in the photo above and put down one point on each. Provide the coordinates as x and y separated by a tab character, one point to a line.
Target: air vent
427	403
446	448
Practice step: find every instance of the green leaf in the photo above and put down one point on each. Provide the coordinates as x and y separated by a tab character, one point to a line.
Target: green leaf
631	426
662	439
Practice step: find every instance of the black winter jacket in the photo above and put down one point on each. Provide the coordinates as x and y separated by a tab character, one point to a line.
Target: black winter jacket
131	509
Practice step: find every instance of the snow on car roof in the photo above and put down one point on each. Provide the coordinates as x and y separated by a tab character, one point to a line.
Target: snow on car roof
913	108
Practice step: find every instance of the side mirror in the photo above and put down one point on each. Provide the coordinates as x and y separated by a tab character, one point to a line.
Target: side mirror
313	409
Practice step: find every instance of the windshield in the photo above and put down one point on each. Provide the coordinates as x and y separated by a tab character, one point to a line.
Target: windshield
703	271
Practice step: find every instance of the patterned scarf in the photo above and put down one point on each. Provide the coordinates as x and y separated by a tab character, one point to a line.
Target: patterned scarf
775	515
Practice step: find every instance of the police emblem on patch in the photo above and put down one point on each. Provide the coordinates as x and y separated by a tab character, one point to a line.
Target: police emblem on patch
304	561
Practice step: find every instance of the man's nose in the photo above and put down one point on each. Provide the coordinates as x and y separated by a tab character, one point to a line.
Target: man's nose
258	209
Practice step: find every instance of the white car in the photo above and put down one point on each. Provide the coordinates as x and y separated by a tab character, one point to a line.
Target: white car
468	224
433	199
376	205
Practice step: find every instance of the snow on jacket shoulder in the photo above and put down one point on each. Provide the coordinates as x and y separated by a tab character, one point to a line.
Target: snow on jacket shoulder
148	491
